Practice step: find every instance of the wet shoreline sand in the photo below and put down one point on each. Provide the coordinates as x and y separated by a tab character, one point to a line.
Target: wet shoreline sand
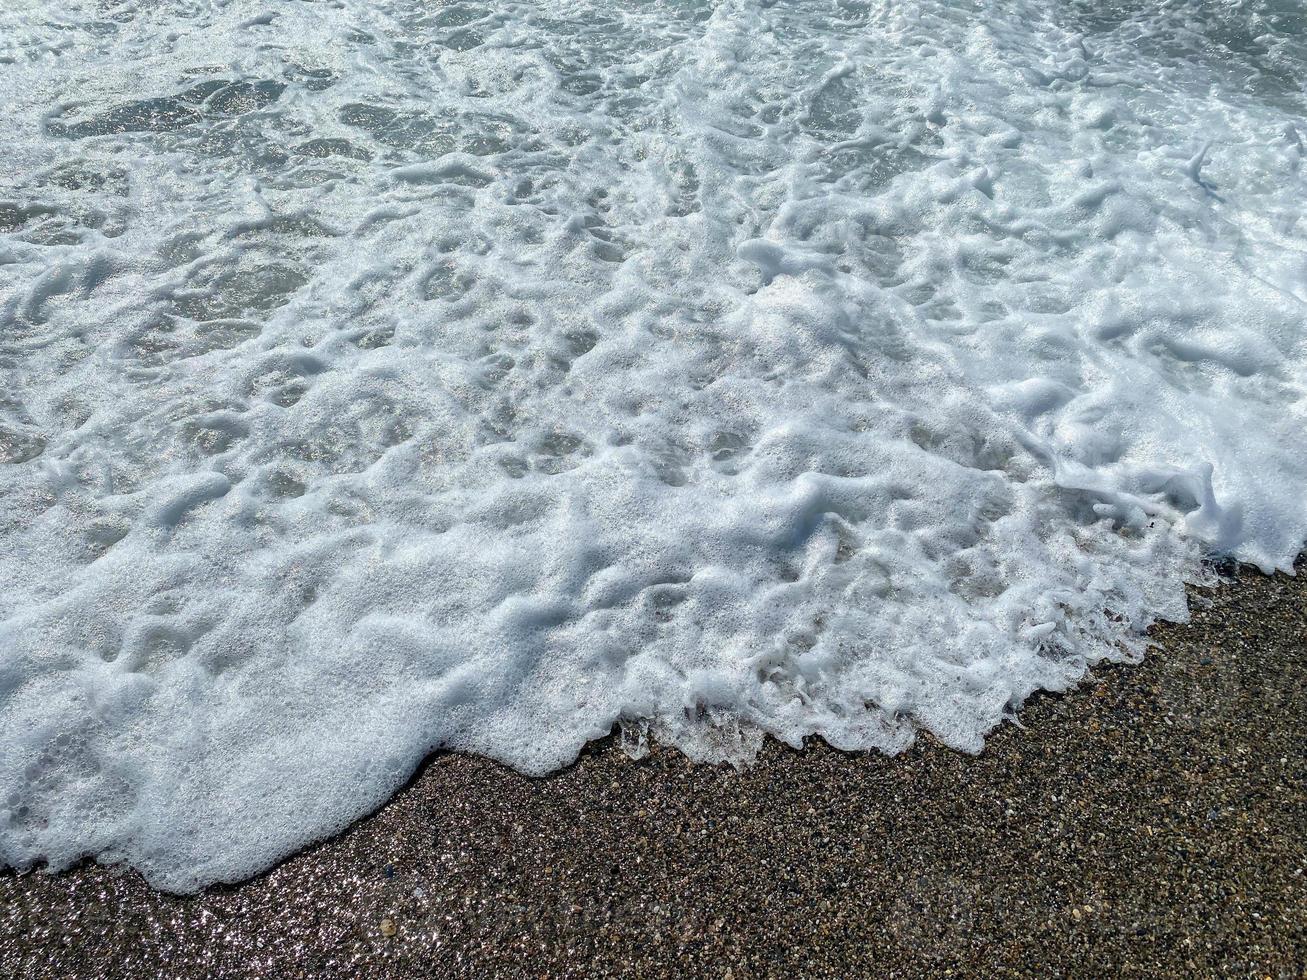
1148	823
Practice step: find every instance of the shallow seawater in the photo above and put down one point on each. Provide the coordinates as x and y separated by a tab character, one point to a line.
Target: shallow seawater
382	375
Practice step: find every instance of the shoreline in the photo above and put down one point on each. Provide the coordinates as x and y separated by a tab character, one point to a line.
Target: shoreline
1149	821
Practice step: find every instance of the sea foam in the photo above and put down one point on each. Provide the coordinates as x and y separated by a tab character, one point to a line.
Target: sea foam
385	375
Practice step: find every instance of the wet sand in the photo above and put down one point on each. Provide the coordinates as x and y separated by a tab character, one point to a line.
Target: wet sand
1153	822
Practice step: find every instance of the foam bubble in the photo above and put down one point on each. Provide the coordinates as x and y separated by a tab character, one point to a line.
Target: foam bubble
382	376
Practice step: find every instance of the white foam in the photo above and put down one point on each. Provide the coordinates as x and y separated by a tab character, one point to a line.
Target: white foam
381	376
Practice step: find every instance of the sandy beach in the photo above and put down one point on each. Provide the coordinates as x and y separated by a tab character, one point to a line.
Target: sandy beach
399	398
1149	823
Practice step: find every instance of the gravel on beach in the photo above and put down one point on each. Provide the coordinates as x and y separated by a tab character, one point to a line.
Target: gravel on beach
1152	822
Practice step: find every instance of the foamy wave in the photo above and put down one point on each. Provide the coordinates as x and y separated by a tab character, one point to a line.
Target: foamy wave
382	376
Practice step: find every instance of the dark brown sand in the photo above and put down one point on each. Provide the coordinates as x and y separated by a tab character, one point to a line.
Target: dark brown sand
1152	823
